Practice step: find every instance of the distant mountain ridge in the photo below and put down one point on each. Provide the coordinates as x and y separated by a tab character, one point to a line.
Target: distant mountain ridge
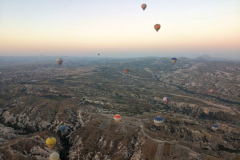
206	57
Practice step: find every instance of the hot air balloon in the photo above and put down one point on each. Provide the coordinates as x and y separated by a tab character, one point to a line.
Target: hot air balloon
59	61
126	70
174	60
157	27
54	156
51	141
158	121
117	117
62	128
215	127
206	111
211	90
144	6
166	100
98	54
11	119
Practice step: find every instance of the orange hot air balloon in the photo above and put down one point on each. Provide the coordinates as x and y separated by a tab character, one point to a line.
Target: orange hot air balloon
211	90
126	70
117	117
144	6
206	111
157	27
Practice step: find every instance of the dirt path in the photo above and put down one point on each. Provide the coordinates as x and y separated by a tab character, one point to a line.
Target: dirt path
207	102
159	152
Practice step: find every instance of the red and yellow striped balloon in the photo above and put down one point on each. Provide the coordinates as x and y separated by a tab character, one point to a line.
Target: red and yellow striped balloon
117	117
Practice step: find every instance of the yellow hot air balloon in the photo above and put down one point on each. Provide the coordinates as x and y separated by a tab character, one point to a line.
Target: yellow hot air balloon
157	27
54	156
51	141
144	6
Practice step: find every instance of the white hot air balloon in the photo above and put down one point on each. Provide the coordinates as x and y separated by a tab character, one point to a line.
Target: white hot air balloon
59	61
54	156
11	119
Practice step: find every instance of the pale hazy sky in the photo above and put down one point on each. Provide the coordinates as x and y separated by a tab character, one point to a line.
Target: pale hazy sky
120	27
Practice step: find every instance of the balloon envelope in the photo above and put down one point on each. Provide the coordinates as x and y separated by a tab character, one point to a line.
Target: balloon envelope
158	120
157	27
117	117
211	90
126	70
166	100
206	111
51	141
173	60
62	128
54	156
215	127
59	61
11	119
144	6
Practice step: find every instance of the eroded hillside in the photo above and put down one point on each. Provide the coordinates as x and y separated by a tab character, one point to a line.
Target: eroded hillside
85	95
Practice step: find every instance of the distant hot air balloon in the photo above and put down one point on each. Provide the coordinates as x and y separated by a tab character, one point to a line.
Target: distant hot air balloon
62	128
117	117
158	120
157	27
215	127
144	6
51	141
166	100
98	54
211	90
174	60
54	156
206	111
59	61
126	70
11	119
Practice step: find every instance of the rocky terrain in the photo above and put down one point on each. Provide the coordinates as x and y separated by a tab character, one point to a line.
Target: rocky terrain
85	94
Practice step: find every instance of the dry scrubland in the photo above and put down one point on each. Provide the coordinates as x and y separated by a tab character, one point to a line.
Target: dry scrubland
84	95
